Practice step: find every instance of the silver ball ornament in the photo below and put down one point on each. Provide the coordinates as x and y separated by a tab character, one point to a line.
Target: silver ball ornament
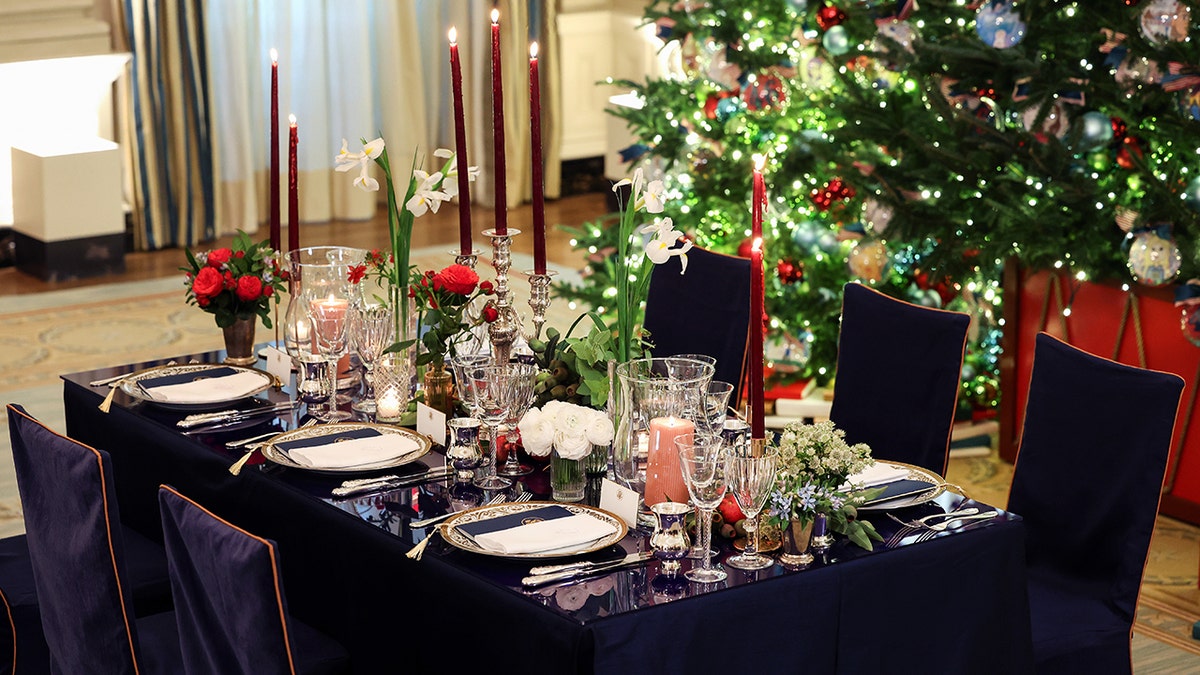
836	41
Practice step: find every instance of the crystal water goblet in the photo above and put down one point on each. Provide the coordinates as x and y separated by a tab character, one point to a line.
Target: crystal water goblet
703	465
328	315
498	391
311	372
716	404
371	328
751	479
459	365
523	383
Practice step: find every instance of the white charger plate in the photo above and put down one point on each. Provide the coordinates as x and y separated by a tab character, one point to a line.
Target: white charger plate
421	445
129	385
459	540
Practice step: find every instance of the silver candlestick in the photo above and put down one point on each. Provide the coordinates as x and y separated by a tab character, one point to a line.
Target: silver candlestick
465	259
539	298
504	330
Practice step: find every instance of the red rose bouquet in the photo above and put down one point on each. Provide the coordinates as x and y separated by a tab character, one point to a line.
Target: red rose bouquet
237	282
443	299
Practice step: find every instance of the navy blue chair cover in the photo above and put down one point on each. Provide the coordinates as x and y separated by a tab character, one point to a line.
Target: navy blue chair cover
1087	481
705	311
78	556
229	600
898	369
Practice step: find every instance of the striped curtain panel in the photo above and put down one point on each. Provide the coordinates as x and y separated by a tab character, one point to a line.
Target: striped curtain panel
164	122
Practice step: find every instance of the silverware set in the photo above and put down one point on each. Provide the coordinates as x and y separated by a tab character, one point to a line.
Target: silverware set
359	486
932	525
216	420
540	576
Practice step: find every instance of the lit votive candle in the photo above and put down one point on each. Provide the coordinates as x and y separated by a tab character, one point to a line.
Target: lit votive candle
664	480
387	406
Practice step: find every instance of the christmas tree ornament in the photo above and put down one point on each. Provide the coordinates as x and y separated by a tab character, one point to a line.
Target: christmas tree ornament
836	40
1154	258
798	5
1187	298
892	34
727	108
1053	123
1136	69
998	24
1189	102
1119	129
815	71
1095	130
869	260
877	215
763	92
719	69
830	16
743	249
1165	21
789	271
1191	194
1130	153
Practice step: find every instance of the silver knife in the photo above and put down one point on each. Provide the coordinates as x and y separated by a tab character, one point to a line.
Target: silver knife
224	416
417	479
551	569
543	579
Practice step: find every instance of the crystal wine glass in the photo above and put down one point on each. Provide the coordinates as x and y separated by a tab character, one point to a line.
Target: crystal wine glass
311	371
498	391
328	314
460	364
371	328
750	480
703	465
524	381
716	404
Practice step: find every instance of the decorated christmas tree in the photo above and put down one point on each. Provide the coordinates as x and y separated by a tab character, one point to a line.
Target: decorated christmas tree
917	149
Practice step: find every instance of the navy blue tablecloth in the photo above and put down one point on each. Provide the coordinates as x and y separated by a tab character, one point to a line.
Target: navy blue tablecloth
952	604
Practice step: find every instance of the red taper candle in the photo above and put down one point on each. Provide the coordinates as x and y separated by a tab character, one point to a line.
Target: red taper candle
498	128
273	175
293	187
535	129
756	385
460	147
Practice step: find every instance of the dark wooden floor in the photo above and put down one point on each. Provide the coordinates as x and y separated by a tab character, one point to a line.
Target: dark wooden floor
433	229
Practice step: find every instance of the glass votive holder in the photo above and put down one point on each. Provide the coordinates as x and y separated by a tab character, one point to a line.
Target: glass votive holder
393	377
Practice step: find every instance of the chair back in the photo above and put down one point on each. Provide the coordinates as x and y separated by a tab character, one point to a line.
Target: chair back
71	514
898	369
1090	467
229	598
704	311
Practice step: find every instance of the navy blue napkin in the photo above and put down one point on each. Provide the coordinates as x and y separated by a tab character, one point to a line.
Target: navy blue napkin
900	488
511	520
288	446
147	383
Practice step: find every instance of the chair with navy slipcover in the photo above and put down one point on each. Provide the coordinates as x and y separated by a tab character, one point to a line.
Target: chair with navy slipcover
78	555
703	311
229	599
1087	482
898	369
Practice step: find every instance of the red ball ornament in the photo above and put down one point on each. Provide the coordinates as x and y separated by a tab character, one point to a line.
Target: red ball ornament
1120	129
744	248
830	16
1130	149
789	271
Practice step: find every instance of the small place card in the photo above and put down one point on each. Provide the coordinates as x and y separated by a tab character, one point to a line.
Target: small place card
431	423
620	501
279	363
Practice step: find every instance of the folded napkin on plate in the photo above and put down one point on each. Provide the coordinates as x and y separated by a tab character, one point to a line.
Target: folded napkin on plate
202	386
900	489
349	449
553	529
877	474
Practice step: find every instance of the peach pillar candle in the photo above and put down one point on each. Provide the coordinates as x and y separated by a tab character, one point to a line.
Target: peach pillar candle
664	480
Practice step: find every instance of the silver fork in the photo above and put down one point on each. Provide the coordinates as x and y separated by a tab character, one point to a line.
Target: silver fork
910	526
498	499
523	497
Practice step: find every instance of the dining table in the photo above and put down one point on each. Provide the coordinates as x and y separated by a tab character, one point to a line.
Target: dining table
946	602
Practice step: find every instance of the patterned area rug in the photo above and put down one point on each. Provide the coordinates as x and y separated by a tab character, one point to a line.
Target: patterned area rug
1170	601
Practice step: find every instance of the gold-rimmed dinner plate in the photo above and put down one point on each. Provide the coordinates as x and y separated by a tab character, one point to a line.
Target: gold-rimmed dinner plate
132	384
275	449
913	497
458	539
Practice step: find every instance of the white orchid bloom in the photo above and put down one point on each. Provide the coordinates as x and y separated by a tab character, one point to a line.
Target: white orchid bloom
653	197
636	185
660	247
346	160
426	197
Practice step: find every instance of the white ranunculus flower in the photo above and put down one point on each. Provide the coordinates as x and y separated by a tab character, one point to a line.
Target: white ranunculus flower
572	445
599	429
537	432
571	419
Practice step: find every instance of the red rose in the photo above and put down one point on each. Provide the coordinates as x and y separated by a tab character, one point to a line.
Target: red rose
458	279
249	288
240	254
357	272
219	257
490	314
268	290
230	282
203	302
208	282
487	287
